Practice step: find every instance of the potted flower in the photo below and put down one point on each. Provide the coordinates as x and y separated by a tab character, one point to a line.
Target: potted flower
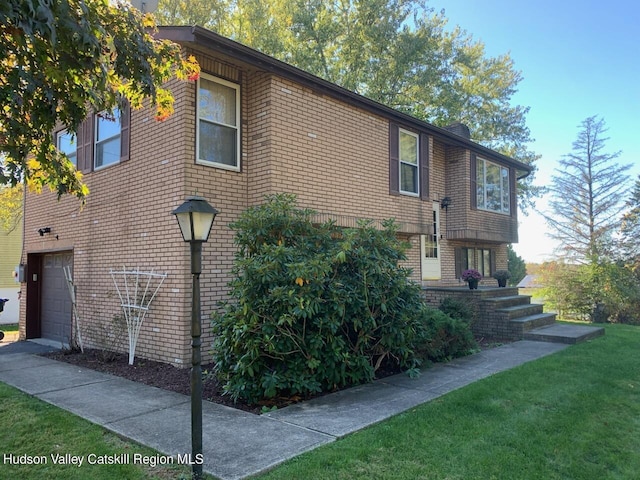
472	277
501	276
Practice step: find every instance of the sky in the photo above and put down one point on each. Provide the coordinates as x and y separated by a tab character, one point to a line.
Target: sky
578	59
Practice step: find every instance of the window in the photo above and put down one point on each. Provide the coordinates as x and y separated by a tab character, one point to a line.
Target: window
66	143
409	163
218	133
492	182
481	259
107	135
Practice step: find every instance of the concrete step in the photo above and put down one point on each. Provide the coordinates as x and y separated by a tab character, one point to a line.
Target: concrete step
530	322
518	311
563	333
509	301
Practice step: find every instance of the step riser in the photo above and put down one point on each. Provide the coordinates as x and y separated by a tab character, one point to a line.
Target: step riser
506	302
520	311
524	325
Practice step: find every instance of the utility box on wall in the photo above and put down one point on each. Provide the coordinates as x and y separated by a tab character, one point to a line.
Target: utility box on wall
21	273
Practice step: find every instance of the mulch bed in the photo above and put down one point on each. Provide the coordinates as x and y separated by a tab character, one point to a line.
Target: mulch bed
168	377
156	374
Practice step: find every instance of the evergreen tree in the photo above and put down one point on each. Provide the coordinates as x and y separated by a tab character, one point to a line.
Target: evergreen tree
587	196
630	228
517	266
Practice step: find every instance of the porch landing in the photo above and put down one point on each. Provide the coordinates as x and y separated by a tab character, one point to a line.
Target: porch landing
505	314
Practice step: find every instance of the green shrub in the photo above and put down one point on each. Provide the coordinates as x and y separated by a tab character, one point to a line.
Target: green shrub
443	337
456	309
316	308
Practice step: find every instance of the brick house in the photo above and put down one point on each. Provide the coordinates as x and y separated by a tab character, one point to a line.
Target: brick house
250	126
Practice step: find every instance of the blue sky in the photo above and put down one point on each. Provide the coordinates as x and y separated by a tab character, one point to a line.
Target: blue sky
578	59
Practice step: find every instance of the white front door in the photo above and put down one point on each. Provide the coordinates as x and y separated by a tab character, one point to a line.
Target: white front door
430	249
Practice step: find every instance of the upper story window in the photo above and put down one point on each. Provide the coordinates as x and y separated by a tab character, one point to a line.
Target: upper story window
66	143
218	132
107	138
102	139
409	173
408	162
492	182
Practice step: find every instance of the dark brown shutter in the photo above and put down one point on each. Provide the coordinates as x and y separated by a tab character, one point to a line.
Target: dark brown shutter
513	193
85	145
492	256
424	167
459	252
474	184
394	159
125	131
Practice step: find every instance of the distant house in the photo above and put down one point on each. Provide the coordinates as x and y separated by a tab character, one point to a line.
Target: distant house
530	281
250	126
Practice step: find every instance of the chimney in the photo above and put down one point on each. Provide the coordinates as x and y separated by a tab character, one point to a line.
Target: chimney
459	129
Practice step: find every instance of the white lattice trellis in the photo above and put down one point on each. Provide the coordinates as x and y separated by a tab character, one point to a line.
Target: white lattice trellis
136	290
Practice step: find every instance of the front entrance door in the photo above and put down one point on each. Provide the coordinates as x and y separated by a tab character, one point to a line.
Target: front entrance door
56	307
430	249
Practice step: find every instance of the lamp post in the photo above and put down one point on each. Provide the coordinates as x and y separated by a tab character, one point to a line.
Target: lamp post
195	218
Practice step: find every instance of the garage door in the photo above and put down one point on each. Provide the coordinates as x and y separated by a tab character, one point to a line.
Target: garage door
55	316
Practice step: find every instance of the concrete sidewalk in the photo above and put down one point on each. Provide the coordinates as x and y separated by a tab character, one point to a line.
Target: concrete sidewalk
236	443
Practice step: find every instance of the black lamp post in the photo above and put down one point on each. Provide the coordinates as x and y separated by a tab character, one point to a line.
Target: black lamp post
195	217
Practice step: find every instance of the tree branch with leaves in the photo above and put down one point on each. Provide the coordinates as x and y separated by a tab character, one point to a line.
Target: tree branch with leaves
60	60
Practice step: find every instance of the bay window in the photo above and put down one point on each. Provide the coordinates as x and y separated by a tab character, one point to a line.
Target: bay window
493	191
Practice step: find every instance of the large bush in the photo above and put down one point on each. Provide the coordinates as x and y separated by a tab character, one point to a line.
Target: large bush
316	307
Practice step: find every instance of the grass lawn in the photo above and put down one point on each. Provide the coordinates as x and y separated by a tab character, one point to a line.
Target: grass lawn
34	428
573	415
9	327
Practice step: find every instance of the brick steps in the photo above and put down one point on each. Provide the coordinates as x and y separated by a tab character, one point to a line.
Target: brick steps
503	313
530	322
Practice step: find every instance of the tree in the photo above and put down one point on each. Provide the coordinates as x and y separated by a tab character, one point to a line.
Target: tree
59	60
630	228
587	196
516	265
10	208
396	52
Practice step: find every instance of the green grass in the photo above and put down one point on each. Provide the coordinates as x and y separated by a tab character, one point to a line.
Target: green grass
573	415
34	428
9	327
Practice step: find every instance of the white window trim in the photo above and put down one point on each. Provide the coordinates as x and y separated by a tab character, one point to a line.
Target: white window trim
60	134
104	140
481	162
236	87
417	164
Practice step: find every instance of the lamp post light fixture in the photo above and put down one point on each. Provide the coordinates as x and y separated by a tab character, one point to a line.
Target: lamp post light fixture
195	218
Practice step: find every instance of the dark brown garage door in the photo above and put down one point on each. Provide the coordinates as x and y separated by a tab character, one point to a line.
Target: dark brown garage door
56	310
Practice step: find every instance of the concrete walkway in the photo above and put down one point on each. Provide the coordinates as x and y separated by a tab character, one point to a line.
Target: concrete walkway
236	443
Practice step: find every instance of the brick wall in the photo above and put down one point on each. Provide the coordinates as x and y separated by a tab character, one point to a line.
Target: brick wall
332	155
